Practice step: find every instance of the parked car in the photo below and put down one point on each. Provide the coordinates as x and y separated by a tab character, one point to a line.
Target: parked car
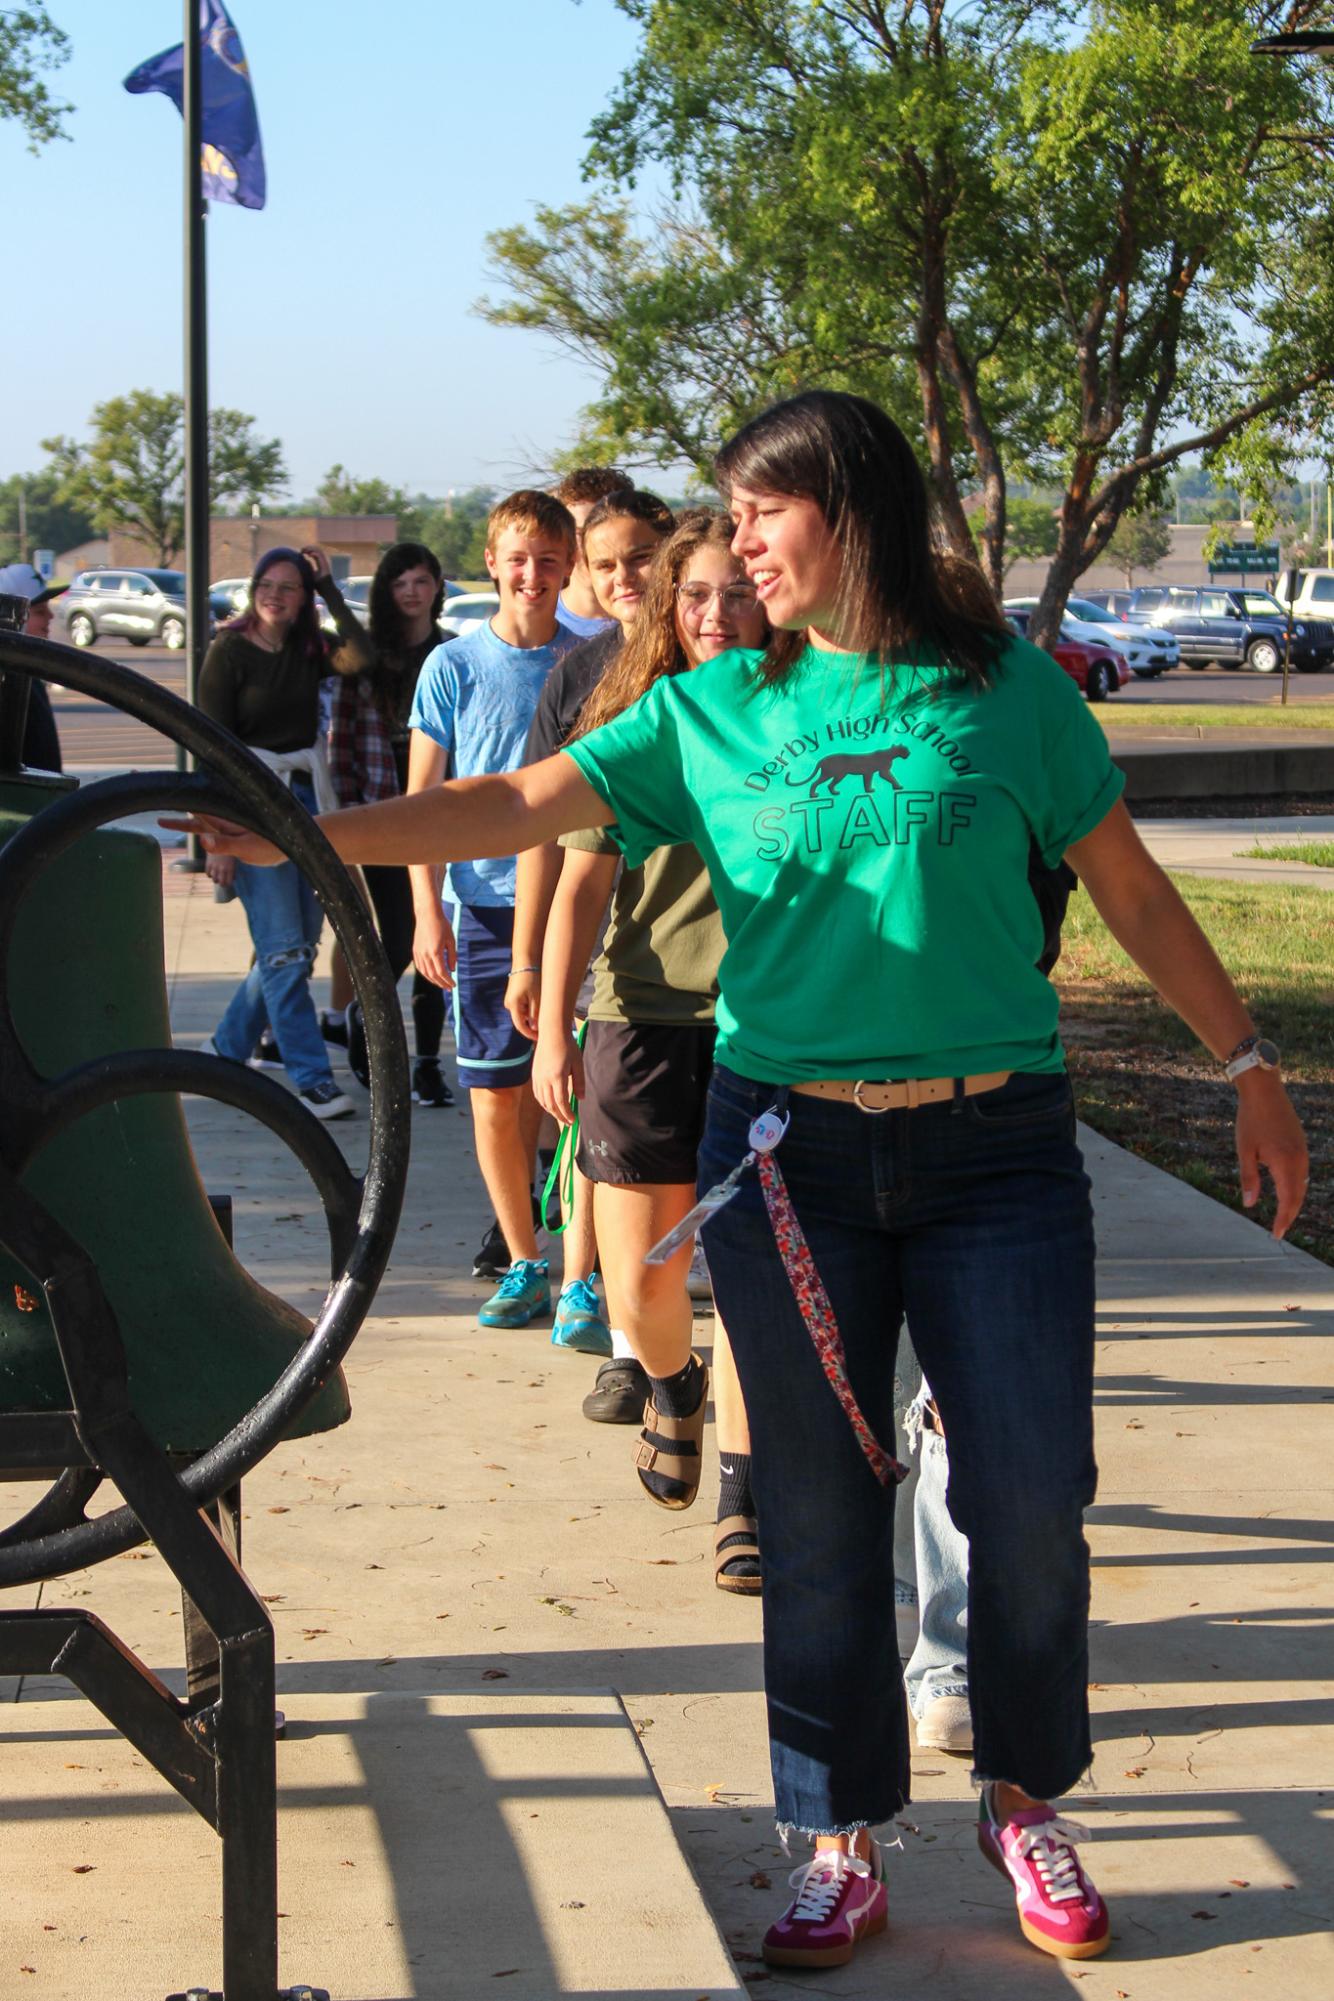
472	608
1091	610
1312	595
138	605
1139	652
1117	601
233	592
1099	670
1235	627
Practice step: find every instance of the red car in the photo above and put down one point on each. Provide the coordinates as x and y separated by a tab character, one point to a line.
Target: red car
1097	670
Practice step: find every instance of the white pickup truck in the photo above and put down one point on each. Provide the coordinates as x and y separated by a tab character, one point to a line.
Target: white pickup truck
1312	594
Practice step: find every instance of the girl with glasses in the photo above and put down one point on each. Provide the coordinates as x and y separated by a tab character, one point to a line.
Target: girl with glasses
643	1073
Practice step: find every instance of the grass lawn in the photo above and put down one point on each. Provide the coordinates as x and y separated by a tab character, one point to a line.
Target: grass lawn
1140	1076
1267	715
1319	854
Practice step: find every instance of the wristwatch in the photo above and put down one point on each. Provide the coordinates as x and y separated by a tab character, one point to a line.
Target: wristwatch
1254	1053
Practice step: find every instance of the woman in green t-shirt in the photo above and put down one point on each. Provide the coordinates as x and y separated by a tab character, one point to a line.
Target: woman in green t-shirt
865	794
643	1074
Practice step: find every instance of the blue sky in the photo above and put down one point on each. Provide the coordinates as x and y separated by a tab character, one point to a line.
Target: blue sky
396	136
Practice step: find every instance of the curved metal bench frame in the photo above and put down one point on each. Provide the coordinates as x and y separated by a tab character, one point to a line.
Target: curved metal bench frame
218	1754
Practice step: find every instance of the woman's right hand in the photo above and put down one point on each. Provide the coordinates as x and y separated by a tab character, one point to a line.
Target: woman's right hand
224	840
434	952
558	1076
523	996
221	869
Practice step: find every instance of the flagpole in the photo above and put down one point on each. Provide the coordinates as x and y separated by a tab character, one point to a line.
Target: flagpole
196	369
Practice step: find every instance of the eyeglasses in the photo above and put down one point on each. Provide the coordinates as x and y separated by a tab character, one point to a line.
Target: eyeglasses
732	597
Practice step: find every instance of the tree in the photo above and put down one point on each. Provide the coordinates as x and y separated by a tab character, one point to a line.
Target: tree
1030	532
29	43
1072	244
50	523
1140	542
132	474
456	530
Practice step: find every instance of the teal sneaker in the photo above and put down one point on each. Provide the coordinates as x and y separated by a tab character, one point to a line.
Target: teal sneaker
579	1322
523	1293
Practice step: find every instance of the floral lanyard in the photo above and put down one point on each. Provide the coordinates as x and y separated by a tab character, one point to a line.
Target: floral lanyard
807	1285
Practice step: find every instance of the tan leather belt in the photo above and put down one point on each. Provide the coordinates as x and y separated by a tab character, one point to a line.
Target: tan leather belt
901	1096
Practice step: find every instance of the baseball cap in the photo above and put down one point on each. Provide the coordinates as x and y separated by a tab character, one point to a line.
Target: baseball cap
20	580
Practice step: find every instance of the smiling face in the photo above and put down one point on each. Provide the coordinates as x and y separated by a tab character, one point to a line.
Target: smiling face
792	558
277	598
716	606
530	569
618	554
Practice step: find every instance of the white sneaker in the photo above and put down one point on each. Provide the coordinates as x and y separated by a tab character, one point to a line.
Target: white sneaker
947	1725
698	1283
327	1101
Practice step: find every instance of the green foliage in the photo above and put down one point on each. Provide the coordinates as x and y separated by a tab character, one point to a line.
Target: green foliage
132	473
1140	542
1030	531
1067	244
456	530
29	43
51	523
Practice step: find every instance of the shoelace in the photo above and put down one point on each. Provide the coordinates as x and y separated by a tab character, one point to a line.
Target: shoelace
580	1295
516	1278
1051	1848
819	1883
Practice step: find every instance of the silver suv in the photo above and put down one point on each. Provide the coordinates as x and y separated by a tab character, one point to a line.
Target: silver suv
139	605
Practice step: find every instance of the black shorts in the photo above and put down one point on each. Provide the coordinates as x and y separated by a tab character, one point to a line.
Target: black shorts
642	1113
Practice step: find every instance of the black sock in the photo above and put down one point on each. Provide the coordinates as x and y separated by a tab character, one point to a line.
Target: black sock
734	1495
678	1395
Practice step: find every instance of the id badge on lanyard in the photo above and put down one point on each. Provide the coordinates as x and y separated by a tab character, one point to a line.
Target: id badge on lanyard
765	1133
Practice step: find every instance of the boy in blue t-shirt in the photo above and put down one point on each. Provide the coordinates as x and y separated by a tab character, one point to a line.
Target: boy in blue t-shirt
474	702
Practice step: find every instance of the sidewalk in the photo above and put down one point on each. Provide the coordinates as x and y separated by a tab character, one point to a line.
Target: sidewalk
1219	847
484	1631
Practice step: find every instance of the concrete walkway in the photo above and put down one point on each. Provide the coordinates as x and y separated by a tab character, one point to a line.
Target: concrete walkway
1222	847
525	1726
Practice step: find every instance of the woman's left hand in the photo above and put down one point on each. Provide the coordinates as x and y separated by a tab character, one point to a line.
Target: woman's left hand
1269	1134
318	561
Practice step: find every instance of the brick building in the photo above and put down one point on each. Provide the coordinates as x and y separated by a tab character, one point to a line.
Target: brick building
355	542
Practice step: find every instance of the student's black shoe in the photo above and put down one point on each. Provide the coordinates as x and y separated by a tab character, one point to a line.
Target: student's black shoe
266	1054
619	1393
333	1026
358	1060
327	1101
493	1259
428	1085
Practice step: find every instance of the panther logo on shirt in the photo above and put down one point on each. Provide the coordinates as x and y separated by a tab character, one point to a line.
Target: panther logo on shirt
832	771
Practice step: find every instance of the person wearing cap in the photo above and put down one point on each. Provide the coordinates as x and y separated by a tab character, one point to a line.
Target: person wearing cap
41	740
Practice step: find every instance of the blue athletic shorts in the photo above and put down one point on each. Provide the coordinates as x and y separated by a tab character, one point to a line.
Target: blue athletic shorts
492	1055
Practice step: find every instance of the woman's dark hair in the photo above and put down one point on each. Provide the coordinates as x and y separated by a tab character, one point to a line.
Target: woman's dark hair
306	625
629	503
902	596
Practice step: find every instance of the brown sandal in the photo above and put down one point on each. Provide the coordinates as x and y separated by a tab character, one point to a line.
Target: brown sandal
736	1536
660	1452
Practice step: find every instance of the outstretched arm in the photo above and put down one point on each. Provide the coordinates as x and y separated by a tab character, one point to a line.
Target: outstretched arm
461	821
1146	916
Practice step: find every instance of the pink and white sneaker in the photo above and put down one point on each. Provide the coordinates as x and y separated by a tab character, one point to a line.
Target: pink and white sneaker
840	1901
1059	1909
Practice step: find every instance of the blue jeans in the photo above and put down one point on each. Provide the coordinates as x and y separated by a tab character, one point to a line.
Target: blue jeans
285	921
973	1219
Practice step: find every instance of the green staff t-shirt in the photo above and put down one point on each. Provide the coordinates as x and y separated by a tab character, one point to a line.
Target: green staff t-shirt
867	835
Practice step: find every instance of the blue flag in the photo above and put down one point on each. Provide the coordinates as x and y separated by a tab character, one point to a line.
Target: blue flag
233	158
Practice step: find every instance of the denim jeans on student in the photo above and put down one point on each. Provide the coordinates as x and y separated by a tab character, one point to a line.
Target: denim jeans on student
974	1219
285	921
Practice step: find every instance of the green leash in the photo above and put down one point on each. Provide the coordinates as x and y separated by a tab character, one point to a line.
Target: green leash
566	1147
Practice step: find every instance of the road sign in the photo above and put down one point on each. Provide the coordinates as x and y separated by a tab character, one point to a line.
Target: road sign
1230	557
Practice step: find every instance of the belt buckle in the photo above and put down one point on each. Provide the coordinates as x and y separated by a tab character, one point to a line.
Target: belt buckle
876	1083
